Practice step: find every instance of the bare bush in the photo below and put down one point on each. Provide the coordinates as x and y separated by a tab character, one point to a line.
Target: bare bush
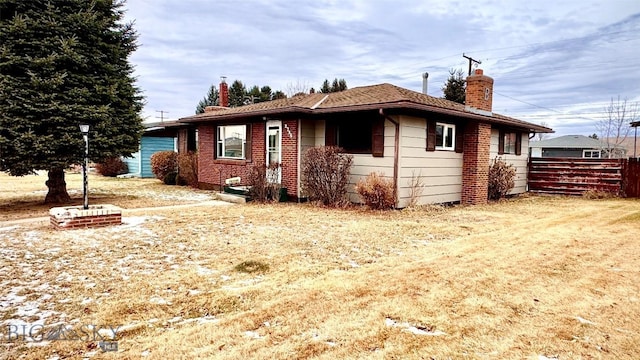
163	163
416	188
501	179
263	183
188	168
598	194
112	167
377	192
325	174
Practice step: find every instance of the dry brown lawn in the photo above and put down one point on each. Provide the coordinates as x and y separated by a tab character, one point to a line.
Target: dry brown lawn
529	278
23	197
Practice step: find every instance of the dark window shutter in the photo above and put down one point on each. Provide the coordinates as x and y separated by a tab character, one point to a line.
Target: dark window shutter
330	130
377	138
459	138
501	142
247	147
431	135
518	143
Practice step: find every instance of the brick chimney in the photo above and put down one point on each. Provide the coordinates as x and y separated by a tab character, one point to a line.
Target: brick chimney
224	92
479	95
477	140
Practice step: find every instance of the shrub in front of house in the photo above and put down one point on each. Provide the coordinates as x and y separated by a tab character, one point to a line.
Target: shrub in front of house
501	178
325	175
171	178
112	167
188	168
263	183
376	192
163	163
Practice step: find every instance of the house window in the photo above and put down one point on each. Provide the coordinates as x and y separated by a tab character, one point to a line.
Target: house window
445	136
354	137
595	154
232	141
509	143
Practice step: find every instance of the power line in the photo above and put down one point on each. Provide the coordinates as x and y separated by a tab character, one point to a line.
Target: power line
544	107
161	117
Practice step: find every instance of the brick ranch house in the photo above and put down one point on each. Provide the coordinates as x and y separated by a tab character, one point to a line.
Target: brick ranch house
388	129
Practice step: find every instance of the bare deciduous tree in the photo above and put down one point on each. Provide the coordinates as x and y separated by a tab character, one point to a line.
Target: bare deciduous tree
299	87
615	126
542	136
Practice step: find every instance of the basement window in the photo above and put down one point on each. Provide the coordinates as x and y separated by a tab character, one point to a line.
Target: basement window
591	154
445	136
232	141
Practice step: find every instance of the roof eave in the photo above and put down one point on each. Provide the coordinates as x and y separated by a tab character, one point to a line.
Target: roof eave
439	110
213	117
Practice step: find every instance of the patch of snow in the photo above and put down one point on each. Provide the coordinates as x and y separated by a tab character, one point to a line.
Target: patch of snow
145	353
86	301
252	335
416	331
194	292
413	329
200	320
542	357
584	321
158	300
225	277
8	228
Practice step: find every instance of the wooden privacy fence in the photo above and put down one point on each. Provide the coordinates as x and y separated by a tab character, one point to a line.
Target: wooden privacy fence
631	177
573	176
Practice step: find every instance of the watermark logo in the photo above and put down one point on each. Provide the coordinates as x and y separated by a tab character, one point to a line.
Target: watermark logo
106	335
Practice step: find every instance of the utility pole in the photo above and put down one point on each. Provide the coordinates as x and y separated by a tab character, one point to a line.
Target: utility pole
471	60
161	117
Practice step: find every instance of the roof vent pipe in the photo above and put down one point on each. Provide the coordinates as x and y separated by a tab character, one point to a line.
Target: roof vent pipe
425	78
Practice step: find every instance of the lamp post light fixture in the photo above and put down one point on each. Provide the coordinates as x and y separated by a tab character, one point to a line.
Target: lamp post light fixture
84	129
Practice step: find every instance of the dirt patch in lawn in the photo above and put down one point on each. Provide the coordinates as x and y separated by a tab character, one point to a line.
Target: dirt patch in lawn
527	278
23	197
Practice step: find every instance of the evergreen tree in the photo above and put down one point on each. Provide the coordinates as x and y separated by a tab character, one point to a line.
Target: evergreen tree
266	93
237	93
278	95
336	85
454	88
212	99
65	63
326	87
594	136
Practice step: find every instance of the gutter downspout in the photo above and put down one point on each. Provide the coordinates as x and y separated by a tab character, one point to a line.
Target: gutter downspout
396	153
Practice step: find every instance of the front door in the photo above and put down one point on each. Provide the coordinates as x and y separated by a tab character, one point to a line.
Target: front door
274	151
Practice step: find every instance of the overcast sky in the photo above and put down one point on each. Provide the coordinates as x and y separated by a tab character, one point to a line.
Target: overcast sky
555	61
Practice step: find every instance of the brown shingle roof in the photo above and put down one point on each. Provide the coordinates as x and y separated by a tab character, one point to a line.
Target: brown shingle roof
382	96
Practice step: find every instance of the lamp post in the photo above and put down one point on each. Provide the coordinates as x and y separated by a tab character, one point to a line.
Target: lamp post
84	129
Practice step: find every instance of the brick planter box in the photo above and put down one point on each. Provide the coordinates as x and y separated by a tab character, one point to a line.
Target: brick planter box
75	217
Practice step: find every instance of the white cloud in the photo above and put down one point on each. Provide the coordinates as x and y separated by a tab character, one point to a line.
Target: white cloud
560	55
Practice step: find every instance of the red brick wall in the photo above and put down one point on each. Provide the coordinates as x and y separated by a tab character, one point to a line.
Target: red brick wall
213	172
290	156
475	163
476	94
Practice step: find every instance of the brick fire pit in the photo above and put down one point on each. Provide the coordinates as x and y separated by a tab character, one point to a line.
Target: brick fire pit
75	217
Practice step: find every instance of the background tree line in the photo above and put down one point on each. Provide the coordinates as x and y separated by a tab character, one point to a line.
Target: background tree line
239	94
